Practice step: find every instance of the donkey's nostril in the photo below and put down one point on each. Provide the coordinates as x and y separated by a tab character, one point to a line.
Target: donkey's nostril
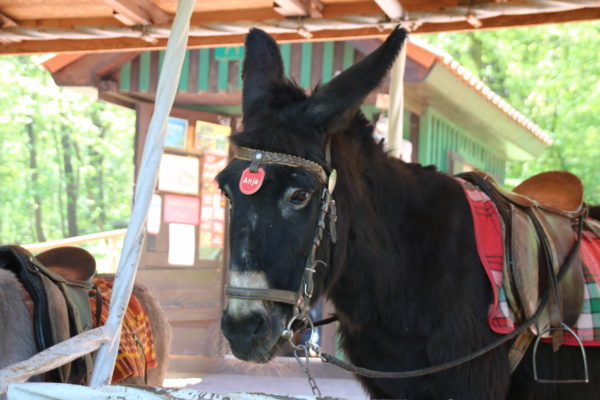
249	327
260	324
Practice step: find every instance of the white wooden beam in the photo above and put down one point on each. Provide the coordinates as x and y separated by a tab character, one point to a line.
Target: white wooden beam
291	8
299	8
391	8
137	12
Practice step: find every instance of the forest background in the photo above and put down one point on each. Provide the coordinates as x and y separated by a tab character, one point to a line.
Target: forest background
66	161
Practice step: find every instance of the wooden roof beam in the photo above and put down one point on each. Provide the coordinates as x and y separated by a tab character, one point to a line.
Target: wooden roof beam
391	8
6	21
299	8
137	12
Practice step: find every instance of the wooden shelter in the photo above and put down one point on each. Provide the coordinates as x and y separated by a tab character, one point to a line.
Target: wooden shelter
134	26
183	260
34	26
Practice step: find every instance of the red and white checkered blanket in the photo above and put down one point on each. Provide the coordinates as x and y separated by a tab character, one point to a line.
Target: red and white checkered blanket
490	246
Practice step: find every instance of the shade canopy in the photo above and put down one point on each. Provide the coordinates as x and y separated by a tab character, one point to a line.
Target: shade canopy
33	26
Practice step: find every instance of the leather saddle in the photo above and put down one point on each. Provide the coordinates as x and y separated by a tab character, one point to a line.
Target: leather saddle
540	218
65	270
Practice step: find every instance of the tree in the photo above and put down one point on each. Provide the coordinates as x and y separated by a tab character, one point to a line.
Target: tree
551	74
66	164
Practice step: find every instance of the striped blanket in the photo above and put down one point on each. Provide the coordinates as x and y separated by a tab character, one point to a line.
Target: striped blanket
136	349
490	246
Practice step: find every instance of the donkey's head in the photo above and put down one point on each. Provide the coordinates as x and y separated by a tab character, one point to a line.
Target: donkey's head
277	188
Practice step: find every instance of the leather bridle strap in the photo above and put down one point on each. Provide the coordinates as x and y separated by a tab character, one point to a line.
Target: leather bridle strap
275	295
268	157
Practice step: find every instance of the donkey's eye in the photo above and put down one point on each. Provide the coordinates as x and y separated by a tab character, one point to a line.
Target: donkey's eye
300	196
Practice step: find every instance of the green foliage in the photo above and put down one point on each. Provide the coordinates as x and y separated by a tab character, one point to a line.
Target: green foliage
101	154
552	75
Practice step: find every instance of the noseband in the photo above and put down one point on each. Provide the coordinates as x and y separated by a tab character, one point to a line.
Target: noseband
300	299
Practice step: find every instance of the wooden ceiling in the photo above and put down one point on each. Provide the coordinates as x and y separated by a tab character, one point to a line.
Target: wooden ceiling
42	26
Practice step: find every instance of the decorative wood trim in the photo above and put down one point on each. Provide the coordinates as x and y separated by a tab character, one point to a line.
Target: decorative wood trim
57	63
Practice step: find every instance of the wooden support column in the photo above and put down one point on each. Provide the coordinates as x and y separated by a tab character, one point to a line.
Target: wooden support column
396	108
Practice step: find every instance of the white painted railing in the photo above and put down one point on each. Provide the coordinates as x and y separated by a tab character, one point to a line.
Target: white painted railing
108	244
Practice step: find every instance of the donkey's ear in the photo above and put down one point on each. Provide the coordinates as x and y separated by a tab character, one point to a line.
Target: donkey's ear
263	67
339	99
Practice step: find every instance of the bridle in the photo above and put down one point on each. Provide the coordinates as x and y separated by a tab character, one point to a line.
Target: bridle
300	299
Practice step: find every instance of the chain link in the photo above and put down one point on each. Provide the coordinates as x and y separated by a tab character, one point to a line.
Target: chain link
305	367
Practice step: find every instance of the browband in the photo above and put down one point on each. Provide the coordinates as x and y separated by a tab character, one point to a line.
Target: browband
266	157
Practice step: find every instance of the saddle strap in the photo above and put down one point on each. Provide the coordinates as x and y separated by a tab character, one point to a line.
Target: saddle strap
549	253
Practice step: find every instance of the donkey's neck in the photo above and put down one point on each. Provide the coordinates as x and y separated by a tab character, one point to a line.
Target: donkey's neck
392	216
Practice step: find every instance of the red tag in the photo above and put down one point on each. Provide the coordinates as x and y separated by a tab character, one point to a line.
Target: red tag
250	182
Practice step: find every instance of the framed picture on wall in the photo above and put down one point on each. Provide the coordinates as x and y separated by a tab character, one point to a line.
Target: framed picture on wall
176	135
212	138
179	174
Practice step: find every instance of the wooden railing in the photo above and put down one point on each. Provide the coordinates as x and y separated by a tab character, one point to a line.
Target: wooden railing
104	246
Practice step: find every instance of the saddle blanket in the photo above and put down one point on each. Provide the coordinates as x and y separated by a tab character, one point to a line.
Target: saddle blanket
490	246
136	352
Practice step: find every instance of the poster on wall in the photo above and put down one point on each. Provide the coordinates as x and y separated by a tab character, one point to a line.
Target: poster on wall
179	174
176	135
182	244
182	209
212	138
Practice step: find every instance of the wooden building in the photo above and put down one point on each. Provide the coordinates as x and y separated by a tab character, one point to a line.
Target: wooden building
451	119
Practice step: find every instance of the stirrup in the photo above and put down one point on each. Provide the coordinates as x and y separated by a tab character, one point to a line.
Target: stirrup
564	327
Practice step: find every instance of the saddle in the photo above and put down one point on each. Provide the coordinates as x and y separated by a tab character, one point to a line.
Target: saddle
70	271
540	218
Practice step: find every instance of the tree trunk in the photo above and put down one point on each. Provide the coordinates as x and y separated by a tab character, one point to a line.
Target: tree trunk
37	200
60	189
71	182
97	160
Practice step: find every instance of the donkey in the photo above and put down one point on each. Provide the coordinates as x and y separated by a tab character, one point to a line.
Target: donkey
17	341
404	276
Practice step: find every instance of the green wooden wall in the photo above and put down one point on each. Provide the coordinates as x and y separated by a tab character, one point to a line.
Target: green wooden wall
438	136
217	70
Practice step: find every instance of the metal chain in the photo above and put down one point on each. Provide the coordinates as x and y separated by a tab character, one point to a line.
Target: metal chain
307	289
305	367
